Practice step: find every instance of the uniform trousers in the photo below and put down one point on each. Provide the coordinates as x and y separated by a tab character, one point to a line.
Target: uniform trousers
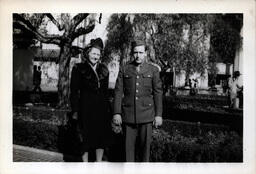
142	133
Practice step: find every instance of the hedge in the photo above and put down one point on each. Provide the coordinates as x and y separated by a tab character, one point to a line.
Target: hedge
175	142
210	146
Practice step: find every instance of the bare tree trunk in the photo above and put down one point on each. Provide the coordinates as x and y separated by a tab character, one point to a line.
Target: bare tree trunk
63	83
190	43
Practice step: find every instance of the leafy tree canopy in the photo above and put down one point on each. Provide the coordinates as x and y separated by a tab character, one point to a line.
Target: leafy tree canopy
225	37
183	40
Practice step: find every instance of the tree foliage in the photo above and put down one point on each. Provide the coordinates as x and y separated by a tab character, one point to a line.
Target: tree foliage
225	37
177	38
119	35
187	41
174	38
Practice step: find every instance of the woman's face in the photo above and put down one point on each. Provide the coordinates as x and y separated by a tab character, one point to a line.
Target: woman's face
94	55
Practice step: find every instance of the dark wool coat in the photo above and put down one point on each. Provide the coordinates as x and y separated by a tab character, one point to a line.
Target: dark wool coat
138	95
89	97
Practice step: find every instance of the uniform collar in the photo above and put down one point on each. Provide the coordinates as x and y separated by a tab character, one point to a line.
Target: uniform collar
142	67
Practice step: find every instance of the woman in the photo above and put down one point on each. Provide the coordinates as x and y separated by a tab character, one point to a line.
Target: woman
89	100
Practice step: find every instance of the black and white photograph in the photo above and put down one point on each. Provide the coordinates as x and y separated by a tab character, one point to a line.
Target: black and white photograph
189	87
123	88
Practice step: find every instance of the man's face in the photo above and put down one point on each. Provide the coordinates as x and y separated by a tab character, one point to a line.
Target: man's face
139	54
94	55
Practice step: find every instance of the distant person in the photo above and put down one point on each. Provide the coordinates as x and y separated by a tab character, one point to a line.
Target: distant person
190	83
89	100
165	74
34	74
138	102
234	87
225	86
37	79
194	86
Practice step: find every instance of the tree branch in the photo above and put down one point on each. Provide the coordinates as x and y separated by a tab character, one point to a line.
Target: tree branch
17	17
201	36
78	19
75	50
49	15
22	23
100	18
81	31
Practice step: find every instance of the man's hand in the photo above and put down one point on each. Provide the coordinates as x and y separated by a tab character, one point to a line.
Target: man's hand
117	119
75	116
158	121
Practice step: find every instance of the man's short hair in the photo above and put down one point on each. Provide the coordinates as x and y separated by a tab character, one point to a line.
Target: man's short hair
136	43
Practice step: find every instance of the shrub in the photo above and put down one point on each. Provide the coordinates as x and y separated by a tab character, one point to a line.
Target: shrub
219	146
35	134
176	141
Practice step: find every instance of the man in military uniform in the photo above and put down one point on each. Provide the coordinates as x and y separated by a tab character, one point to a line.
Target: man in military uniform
138	102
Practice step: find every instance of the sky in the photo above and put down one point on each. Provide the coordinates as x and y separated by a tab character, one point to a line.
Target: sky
100	29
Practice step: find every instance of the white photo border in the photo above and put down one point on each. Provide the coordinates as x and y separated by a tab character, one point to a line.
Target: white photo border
247	7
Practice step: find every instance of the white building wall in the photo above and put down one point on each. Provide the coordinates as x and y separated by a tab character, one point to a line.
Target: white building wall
221	68
180	79
202	80
49	76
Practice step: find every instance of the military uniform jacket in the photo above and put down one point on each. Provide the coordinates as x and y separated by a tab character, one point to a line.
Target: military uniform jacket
138	94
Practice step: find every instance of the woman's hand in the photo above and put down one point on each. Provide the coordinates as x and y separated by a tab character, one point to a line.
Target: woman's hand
117	119
75	116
